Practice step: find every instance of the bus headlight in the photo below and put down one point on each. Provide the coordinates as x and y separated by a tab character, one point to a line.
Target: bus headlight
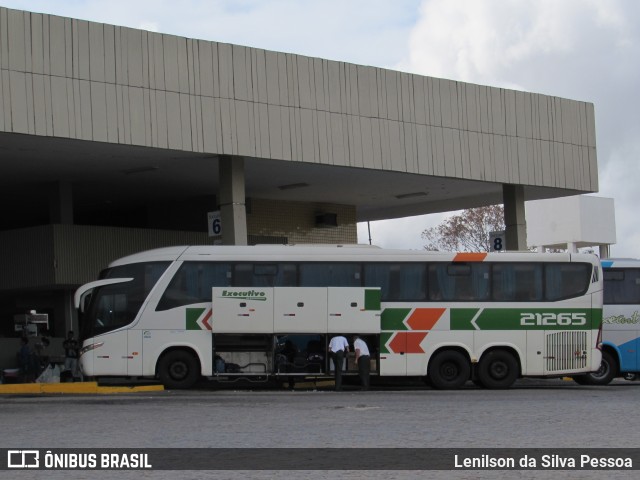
90	347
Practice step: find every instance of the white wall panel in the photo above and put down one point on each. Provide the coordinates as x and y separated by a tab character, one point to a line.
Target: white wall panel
171	74
174	125
37	44
15	40
4	109
98	111
134	97
112	113
59	107
4	41
96	52
19	109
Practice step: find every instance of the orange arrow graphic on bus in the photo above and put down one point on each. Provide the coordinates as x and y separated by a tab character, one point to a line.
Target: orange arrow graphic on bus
206	319
407	342
424	318
469	257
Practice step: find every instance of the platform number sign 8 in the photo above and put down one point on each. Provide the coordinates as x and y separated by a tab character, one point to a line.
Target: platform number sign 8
497	241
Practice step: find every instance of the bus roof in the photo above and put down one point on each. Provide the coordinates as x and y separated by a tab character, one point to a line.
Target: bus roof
620	262
333	253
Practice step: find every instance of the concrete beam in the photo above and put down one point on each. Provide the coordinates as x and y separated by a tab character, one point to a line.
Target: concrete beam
232	200
514	217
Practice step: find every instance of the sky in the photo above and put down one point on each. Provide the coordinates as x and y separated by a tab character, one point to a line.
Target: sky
583	50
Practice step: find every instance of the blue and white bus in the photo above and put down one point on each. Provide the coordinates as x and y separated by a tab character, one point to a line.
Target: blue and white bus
621	323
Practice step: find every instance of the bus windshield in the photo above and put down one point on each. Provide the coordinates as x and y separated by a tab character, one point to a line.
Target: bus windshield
116	305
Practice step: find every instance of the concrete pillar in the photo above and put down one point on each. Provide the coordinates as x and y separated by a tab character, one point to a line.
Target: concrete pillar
514	219
605	251
61	203
233	215
572	247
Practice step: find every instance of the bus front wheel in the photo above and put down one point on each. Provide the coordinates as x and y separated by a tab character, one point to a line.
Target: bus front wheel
178	369
498	369
449	370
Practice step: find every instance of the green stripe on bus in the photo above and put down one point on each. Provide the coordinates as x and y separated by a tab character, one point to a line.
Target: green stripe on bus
372	299
392	318
192	316
461	318
384	338
526	319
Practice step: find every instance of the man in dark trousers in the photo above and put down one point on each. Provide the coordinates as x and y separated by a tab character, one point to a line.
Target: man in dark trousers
71	350
338	348
362	360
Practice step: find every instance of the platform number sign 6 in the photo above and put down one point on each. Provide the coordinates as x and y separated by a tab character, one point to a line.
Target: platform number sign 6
215	223
497	241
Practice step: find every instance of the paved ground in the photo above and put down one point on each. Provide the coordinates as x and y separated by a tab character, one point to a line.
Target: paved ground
534	414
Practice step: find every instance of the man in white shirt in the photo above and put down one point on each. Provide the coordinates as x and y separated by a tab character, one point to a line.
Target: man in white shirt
338	347
362	360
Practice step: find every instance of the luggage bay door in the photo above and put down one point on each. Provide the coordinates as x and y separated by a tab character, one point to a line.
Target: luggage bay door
242	310
354	310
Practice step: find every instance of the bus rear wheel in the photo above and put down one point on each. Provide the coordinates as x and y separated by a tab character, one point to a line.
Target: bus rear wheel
178	369
449	370
498	369
607	371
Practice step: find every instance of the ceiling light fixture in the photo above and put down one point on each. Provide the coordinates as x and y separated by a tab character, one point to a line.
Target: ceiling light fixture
402	196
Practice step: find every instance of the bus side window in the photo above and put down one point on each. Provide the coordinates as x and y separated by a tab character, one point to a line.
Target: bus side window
622	286
192	283
566	280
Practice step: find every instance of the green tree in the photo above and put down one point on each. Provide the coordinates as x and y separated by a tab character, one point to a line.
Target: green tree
467	231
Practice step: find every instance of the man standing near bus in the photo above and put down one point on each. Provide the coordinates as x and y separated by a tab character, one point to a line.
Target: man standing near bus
338	347
71	348
362	360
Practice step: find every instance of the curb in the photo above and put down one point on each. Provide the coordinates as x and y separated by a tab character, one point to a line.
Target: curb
75	387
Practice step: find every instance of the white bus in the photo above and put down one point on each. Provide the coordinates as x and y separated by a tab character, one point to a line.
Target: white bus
621	323
183	313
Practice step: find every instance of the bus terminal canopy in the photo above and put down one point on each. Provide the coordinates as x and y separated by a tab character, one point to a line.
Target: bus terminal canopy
129	117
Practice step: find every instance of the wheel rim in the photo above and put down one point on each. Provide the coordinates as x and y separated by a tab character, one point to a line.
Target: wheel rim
498	370
449	371
603	371
178	370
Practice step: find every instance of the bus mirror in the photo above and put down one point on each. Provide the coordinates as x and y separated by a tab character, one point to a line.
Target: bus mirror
79	299
84	301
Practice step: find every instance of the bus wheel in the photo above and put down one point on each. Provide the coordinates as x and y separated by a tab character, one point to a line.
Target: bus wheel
178	369
497	369
605	373
449	370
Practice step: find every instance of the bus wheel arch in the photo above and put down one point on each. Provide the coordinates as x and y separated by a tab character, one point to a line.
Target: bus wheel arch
498	368
449	368
609	369
178	368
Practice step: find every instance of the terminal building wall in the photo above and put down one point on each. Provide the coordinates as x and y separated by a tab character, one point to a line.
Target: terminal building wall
89	81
